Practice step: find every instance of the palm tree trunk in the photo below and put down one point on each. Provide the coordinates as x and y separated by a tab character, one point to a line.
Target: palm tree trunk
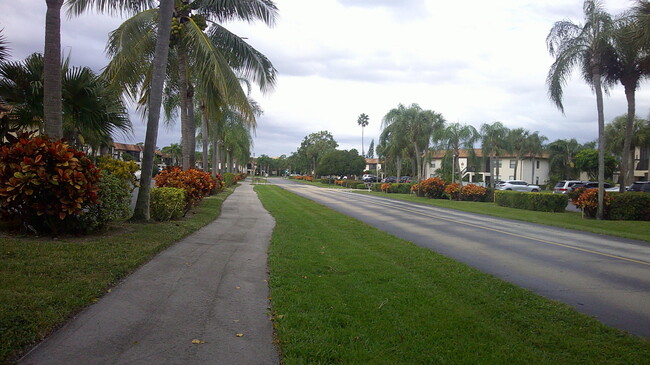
141	211
205	136
52	104
185	122
192	123
532	176
418	160
601	143
626	164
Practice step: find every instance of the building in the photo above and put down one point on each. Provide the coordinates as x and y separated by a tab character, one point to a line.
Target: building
118	150
642	163
373	164
533	171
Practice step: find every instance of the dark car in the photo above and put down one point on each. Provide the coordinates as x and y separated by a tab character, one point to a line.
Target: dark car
405	179
640	186
389	179
368	178
594	185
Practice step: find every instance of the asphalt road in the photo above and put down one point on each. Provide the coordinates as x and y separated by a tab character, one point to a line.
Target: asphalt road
602	276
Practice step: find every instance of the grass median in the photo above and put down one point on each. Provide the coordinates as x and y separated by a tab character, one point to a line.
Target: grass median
344	292
45	282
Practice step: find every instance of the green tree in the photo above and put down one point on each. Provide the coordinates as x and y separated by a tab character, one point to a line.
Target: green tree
585	45
341	163
455	137
392	148
174	151
363	122
562	153
517	139
534	147
4	50
419	127
265	163
315	146
494	144
92	110
587	160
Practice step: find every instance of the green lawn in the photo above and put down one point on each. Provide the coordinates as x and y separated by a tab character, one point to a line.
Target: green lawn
344	292
44	281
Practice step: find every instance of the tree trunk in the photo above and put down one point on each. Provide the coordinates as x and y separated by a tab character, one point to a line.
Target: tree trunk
496	162
601	143
186	130
418	161
52	104
532	176
626	164
192	123
141	211
205	134
215	154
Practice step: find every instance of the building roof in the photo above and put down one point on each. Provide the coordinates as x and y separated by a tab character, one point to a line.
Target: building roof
479	153
372	160
127	147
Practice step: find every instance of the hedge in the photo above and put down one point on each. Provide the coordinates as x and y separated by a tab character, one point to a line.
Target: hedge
166	203
543	202
630	206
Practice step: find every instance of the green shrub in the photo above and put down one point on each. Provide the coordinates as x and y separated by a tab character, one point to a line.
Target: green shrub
630	207
124	170
543	202
166	203
361	186
114	203
404	188
352	183
229	179
196	183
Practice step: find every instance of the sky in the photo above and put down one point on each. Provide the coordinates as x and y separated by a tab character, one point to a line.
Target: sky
473	61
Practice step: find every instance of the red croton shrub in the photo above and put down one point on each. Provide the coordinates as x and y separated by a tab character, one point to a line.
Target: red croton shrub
452	191
588	202
473	192
433	187
196	183
45	184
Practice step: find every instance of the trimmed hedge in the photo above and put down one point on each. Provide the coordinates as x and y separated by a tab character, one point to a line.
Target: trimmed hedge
166	203
543	202
630	206
361	186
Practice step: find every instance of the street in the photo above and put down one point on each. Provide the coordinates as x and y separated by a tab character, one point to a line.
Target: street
602	276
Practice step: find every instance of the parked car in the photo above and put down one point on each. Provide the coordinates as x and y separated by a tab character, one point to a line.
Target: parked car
590	185
405	179
640	186
518	185
565	186
389	179
368	178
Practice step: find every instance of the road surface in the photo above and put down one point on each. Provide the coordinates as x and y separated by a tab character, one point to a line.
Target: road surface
603	276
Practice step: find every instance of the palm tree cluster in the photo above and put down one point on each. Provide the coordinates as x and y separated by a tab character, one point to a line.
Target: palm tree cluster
608	50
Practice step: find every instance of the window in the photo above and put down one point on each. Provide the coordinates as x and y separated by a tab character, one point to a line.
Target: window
499	163
511	178
537	163
433	165
513	164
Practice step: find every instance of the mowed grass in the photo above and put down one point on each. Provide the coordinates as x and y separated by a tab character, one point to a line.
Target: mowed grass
344	292
45	281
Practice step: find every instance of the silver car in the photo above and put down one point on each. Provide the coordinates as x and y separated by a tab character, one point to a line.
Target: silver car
518	185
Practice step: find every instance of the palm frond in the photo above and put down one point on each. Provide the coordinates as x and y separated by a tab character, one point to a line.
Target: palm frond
77	7
250	10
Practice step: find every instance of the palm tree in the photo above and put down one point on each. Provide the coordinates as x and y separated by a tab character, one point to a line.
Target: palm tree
363	122
155	87
174	151
4	50
204	60
517	142
533	147
493	144
562	155
93	111
52	105
627	64
419	127
392	147
458	136
585	45
615	142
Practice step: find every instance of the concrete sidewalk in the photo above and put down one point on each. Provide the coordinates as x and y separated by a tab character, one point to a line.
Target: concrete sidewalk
209	288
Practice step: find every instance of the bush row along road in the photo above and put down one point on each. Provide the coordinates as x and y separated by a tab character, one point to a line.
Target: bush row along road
603	276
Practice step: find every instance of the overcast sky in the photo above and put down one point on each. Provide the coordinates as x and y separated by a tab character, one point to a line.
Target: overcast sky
473	61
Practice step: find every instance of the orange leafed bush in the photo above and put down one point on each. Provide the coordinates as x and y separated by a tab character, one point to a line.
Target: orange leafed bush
473	192
588	201
385	187
452	191
196	183
44	182
433	187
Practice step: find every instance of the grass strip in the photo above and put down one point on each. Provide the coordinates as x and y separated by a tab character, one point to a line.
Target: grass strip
638	230
344	292
45	282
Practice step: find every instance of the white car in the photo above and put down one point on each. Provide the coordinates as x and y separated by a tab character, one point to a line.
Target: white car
518	185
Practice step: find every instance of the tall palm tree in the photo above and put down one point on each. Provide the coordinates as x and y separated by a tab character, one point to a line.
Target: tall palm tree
627	64
155	85
517	140
586	45
363	122
458	136
392	147
4	50
493	137
533	147
205	60
52	105
419	127
562	155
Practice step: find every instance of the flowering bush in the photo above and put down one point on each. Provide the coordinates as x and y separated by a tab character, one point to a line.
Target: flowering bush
452	191
433	187
588	202
575	194
473	193
385	187
123	170
196	183
45	183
